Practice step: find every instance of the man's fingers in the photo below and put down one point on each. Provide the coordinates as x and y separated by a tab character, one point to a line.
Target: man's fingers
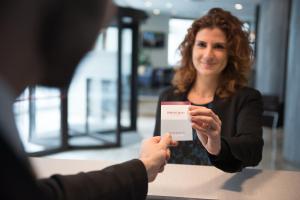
168	154
166	140
156	139
173	143
161	169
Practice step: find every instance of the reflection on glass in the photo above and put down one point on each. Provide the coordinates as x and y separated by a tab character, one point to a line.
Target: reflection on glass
101	105
177	31
21	111
92	113
47	116
126	77
37	113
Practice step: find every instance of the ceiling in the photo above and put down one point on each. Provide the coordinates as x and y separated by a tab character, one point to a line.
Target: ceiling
192	8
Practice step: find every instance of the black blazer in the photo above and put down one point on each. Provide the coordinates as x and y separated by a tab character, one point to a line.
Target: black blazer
123	181
241	132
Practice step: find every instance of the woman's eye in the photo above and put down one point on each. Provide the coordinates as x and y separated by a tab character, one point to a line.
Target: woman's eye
220	46
201	44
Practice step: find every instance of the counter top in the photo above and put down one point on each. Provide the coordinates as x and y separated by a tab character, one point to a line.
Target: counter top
193	181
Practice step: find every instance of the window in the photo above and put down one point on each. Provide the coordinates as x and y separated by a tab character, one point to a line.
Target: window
177	31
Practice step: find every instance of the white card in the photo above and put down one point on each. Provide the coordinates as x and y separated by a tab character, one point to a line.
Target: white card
175	120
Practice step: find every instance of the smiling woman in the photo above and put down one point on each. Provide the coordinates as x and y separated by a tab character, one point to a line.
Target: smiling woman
210	52
225	114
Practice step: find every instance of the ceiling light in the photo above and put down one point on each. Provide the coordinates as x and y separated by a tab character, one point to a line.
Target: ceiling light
238	6
169	5
148	4
156	11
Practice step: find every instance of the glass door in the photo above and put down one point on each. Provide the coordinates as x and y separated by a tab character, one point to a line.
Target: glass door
38	118
128	57
100	103
93	95
126	77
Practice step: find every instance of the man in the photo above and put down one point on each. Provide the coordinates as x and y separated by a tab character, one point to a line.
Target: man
41	42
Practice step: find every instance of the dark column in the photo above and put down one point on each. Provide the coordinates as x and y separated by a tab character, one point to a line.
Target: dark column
291	148
272	44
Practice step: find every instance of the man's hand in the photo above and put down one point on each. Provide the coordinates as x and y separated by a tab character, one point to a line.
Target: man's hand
155	154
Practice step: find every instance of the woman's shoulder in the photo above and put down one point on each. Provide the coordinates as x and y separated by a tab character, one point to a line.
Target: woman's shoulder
244	96
168	90
247	93
171	93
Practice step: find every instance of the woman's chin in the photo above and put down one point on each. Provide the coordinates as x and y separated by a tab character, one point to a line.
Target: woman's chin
208	73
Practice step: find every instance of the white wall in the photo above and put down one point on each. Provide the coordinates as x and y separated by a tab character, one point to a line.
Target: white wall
159	56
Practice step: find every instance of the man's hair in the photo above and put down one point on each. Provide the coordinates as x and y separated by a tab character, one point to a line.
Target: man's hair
240	53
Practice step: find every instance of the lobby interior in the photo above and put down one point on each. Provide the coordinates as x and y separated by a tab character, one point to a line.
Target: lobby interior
110	107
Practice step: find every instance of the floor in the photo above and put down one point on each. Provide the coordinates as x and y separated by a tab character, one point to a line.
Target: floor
272	153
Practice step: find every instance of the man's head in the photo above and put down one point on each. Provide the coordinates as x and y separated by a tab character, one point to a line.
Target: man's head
68	31
43	41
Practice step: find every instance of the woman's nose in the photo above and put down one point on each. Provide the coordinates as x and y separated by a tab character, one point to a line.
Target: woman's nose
208	54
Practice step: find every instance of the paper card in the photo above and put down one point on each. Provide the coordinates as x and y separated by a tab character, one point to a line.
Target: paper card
175	120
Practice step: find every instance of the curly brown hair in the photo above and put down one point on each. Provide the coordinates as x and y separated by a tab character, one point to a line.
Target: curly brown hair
240	53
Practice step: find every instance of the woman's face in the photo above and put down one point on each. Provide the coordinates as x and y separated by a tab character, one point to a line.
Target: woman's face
210	54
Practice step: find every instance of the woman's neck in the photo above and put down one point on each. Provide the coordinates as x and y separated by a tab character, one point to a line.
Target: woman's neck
203	91
205	87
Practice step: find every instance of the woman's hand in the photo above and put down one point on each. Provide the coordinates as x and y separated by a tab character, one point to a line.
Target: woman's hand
208	127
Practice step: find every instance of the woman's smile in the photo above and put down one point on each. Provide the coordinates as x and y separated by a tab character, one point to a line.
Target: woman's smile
209	52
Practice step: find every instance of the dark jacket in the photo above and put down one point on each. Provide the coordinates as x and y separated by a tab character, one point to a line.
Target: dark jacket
123	181
241	131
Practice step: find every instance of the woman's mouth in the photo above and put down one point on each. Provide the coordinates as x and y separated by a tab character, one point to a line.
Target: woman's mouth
207	65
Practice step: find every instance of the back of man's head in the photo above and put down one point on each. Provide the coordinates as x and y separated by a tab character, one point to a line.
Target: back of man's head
49	37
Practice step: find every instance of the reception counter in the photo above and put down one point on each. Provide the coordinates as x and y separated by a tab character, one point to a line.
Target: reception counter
191	181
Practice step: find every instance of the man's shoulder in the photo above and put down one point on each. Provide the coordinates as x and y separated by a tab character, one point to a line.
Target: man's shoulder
12	170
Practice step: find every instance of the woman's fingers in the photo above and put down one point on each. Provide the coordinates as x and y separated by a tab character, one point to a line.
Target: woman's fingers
202	137
202	130
205	122
201	111
205	118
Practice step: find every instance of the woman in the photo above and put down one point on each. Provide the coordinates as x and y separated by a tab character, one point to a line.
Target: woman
225	114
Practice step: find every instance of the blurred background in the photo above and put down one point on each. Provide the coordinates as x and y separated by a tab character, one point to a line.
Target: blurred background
110	106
